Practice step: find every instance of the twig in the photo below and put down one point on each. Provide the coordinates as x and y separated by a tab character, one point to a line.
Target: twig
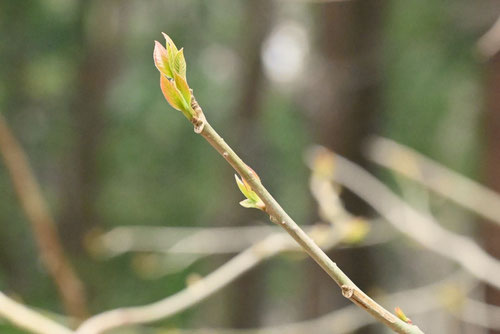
181	240
279	216
208	240
349	319
44	229
196	292
28	319
417	226
171	64
462	190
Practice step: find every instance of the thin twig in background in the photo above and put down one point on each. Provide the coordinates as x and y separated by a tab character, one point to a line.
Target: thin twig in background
29	319
449	184
415	301
418	226
43	226
180	240
193	240
196	292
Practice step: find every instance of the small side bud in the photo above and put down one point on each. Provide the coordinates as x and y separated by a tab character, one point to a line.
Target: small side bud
253	200
401	315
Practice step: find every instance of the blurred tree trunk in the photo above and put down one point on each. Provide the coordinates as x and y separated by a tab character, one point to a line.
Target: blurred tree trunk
99	39
15	105
490	231
347	102
247	295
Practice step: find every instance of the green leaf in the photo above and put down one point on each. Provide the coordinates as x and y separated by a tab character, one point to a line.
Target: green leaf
171	49
183	87
160	58
249	204
253	200
171	93
242	187
179	64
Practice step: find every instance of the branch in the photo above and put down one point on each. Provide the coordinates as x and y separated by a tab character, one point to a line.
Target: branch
460	189
279	216
28	319
350	319
43	226
180	240
202	241
196	292
172	67
418	226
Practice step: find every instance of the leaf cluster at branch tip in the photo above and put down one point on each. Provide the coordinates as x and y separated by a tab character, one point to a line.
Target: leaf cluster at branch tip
172	66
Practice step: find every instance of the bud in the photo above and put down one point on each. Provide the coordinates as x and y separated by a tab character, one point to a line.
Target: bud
172	66
401	315
253	200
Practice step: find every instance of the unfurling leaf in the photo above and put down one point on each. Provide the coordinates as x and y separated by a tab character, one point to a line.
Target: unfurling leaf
172	66
171	93
160	57
179	64
171	48
249	204
253	200
183	87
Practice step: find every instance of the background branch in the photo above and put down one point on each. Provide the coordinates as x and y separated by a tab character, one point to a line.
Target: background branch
460	189
417	226
43	226
414	301
28	319
196	292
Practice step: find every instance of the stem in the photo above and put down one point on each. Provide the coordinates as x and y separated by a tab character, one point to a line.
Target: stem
28	319
71	289
279	216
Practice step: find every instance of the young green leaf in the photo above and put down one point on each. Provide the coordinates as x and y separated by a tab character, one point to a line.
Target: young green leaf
179	64
160	58
171	93
171	49
253	200
249	204
183	87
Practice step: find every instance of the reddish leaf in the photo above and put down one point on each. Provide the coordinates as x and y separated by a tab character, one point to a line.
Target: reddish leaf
160	58
171	93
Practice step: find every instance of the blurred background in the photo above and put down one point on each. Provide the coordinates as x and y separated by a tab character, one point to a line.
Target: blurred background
80	93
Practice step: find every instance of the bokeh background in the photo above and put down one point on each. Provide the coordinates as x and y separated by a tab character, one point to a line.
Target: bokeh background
79	91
